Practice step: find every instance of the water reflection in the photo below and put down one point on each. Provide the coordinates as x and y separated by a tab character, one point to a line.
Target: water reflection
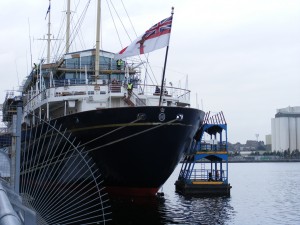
200	210
178	210
262	193
138	211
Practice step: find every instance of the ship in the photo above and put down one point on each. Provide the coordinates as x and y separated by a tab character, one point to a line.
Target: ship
134	132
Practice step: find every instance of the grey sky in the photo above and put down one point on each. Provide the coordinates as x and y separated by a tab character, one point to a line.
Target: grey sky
241	57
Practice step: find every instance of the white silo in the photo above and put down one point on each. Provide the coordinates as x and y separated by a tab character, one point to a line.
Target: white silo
277	133
273	134
284	133
298	132
292	133
286	129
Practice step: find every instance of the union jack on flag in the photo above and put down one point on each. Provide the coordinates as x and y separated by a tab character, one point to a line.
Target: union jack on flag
161	28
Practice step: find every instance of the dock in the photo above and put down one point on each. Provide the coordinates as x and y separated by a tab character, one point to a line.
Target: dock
213	152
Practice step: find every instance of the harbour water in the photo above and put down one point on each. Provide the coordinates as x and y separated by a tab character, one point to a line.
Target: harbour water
262	193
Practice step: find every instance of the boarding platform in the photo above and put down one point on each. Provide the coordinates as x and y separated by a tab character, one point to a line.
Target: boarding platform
204	169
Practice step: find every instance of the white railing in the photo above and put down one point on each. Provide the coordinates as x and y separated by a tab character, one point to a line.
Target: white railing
178	94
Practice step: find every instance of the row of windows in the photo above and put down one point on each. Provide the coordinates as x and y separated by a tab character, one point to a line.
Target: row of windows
89	62
81	76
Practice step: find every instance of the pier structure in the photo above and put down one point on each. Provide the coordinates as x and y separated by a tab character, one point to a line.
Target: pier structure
204	169
66	189
13	211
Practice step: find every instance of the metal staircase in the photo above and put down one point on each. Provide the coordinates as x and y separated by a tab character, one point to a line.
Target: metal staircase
213	180
128	101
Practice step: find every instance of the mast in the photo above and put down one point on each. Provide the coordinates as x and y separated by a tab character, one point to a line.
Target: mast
30	43
48	39
49	34
68	27
165	64
97	40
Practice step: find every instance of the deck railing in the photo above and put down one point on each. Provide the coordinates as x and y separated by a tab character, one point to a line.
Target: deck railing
208	175
218	147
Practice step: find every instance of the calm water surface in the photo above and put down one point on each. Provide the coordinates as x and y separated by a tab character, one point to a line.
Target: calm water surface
262	193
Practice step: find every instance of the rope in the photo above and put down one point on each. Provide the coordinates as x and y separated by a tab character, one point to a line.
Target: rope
45	163
75	203
115	23
117	129
130	136
102	146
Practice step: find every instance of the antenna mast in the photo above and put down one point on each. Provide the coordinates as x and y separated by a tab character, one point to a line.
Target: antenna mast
68	27
49	34
97	40
48	39
30	44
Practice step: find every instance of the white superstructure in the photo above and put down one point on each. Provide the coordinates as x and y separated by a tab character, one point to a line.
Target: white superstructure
286	129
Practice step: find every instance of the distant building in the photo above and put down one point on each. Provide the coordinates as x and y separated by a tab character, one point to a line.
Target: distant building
286	129
268	142
250	145
268	139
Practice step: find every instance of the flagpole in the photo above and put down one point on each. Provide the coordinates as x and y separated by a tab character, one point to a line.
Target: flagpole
165	64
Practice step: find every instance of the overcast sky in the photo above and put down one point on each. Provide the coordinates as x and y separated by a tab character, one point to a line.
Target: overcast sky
241	57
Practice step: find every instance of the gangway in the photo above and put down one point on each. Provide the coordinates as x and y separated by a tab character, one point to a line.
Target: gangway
214	151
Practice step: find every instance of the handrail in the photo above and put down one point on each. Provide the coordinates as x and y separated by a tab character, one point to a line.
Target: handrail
206	174
7	214
212	147
171	90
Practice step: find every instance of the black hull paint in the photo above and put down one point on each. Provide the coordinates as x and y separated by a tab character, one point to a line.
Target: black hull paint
134	148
